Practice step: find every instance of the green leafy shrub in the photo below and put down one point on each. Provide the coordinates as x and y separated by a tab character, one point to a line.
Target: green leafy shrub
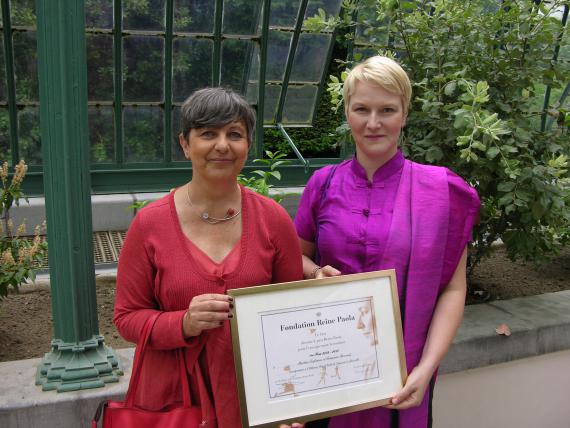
260	180
475	66
18	255
137	205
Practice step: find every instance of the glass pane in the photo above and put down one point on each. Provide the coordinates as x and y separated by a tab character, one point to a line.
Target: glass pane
23	12
271	99
99	13
277	51
284	12
236	58
331	7
310	57
241	17
253	77
26	66
5	152
177	153
99	67
101	135
143	15
191	66
252	92
143	60
29	135
194	16
2	69
143	134
299	104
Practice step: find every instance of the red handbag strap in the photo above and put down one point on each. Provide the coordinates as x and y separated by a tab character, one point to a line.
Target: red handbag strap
140	350
183	378
205	403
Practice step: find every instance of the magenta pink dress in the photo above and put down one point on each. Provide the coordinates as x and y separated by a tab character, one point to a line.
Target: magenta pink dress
411	217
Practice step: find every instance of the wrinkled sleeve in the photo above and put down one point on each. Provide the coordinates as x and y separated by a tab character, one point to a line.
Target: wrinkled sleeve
287	263
306	217
464	207
135	300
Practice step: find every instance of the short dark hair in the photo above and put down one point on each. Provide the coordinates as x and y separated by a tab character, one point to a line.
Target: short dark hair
214	108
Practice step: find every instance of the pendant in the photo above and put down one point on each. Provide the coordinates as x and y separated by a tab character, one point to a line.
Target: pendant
205	216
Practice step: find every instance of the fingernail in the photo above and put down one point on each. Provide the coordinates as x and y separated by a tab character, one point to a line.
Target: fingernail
230	298
231	305
230	315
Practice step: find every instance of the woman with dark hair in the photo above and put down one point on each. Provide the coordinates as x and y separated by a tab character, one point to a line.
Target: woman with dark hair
184	251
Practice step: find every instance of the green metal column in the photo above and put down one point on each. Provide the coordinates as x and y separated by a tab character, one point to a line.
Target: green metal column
79	358
10	82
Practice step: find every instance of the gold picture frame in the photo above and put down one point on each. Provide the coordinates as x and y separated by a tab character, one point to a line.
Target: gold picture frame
312	349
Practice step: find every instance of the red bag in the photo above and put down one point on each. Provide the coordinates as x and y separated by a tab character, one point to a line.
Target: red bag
124	414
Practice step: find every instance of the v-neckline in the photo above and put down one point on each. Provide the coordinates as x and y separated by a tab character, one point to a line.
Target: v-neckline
207	256
242	242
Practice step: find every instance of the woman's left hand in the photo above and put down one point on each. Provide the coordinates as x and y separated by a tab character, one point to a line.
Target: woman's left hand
413	391
293	425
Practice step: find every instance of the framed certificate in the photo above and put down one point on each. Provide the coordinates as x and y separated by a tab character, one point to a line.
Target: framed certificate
317	348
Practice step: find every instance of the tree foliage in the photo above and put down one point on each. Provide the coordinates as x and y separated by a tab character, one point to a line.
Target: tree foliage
477	68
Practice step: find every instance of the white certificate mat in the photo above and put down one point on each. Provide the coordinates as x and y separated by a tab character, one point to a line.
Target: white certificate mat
335	345
317	348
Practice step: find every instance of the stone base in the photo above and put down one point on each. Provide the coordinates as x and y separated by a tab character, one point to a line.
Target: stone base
79	365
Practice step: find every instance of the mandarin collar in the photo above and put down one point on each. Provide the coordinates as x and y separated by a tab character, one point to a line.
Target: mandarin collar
390	168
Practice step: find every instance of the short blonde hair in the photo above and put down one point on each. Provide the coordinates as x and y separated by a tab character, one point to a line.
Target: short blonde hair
380	71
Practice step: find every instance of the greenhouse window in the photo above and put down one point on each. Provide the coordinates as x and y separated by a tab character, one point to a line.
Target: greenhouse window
145	58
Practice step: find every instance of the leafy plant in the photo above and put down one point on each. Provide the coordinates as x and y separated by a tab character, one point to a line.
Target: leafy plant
18	255
137	205
475	67
260	180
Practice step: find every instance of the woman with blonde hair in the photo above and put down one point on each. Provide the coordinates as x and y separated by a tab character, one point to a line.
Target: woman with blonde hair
381	211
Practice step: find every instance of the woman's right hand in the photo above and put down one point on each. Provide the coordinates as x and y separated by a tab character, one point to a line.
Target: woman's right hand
205	312
310	269
326	271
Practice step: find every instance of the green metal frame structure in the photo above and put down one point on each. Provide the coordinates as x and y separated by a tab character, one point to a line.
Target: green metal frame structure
79	358
119	174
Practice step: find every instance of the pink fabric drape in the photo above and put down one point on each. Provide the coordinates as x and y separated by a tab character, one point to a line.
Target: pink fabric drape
416	250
